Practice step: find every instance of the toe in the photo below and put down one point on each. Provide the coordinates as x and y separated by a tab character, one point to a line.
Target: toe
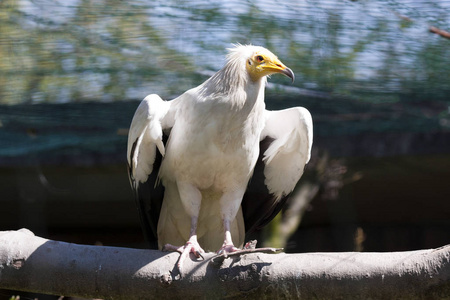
186	250
227	249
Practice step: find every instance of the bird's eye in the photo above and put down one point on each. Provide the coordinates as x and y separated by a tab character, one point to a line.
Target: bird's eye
259	58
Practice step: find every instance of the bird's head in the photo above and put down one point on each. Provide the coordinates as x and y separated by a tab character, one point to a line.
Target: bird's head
261	62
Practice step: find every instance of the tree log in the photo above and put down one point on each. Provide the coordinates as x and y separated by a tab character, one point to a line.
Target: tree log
34	264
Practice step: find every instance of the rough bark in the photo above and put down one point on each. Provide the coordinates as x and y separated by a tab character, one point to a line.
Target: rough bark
30	263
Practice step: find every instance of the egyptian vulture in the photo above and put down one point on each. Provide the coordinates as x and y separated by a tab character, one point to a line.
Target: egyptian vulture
213	164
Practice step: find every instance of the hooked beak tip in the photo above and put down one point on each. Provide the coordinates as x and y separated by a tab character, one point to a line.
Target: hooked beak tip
288	72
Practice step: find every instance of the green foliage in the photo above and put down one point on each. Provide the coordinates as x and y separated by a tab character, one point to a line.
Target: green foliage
101	52
117	50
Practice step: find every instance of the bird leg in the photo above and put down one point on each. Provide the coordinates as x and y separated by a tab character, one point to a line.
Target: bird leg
228	246
191	199
230	202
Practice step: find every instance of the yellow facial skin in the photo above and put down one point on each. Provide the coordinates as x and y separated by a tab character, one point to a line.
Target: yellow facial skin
265	63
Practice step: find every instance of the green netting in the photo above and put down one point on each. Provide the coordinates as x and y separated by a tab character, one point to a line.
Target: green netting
365	69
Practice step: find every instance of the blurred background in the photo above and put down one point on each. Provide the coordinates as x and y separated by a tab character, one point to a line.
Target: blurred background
372	73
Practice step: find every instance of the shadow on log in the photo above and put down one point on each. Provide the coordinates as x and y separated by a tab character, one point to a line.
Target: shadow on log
34	264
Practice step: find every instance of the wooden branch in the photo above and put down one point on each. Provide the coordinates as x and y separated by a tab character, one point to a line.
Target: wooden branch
431	29
30	263
441	32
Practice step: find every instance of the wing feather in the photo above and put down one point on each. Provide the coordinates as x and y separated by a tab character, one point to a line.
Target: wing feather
146	149
285	149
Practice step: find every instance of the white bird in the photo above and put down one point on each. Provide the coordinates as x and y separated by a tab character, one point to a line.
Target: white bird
213	164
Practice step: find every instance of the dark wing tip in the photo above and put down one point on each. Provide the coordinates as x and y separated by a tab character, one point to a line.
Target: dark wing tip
259	206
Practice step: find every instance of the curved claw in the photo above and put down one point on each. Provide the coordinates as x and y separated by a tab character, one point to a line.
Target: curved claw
199	255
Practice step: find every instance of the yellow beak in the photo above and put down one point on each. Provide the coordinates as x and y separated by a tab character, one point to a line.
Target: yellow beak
276	66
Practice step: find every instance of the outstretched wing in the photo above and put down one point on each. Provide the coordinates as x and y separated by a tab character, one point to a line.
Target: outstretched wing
147	137
285	149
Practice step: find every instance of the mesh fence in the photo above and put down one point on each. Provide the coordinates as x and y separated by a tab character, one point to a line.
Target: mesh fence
371	51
